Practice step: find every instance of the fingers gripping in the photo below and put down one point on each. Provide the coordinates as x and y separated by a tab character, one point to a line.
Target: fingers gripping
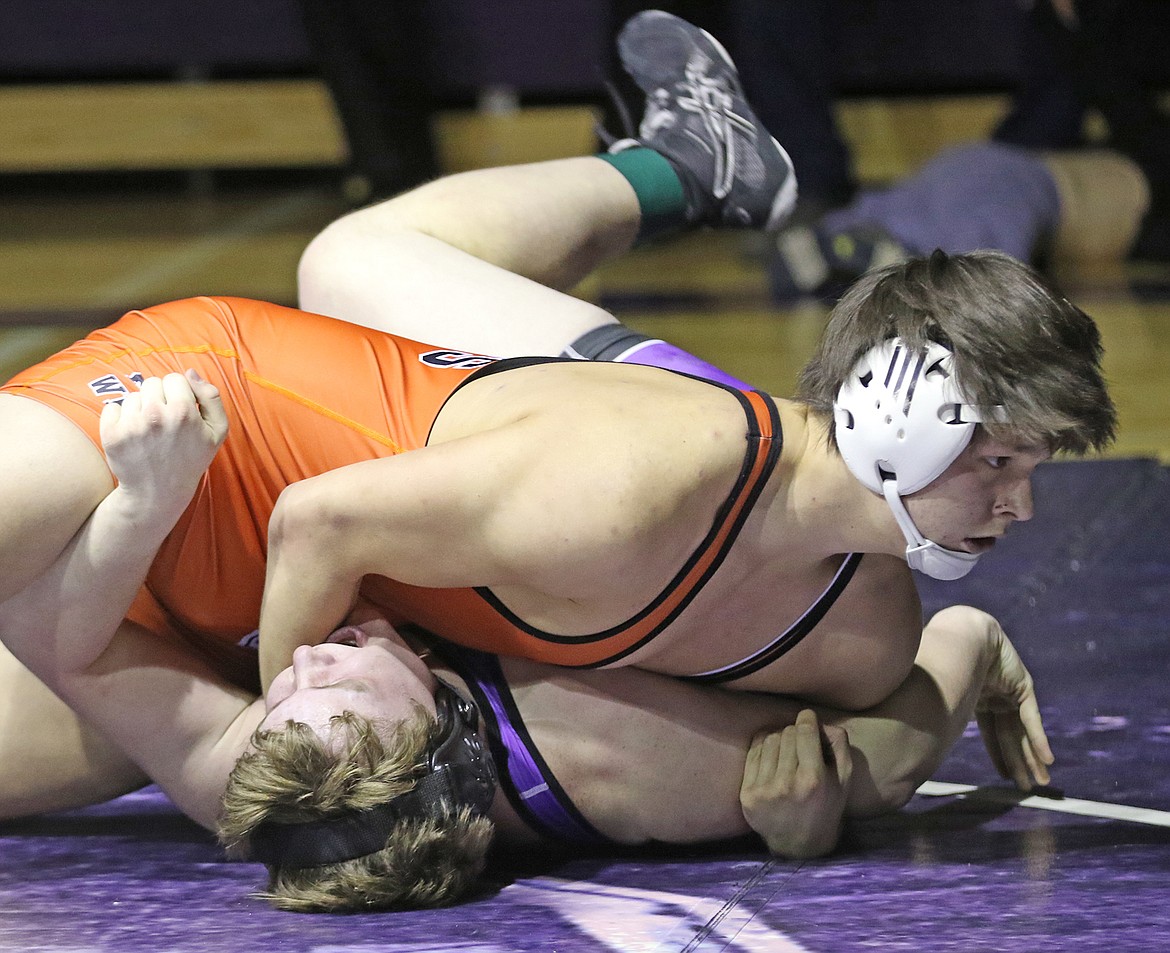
795	786
838	740
797	757
163	437
169	402
808	763
210	405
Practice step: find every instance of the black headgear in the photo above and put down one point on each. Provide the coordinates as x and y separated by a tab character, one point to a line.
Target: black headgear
460	773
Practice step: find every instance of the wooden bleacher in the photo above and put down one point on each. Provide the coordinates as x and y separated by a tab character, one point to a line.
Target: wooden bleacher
291	123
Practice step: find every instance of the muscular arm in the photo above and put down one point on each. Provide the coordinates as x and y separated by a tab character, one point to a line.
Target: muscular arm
900	742
648	757
424	518
795	795
158	444
158	702
162	705
556	524
965	668
63	621
170	712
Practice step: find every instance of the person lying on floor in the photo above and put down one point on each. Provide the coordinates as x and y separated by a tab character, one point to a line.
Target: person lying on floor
487	746
620	751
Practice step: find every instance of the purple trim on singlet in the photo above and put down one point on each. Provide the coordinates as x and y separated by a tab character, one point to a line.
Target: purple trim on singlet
498	366
528	783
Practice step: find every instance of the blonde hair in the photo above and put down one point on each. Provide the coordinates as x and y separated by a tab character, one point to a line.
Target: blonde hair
290	775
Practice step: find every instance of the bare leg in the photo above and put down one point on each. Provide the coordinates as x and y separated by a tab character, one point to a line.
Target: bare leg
699	158
472	262
477	260
52	760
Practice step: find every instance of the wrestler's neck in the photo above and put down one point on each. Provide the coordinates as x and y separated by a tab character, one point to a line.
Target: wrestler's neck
814	502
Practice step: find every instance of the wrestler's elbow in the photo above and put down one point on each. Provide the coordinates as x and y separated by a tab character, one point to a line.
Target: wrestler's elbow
883	789
306	518
893	794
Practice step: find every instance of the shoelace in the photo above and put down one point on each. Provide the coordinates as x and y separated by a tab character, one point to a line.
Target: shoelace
709	99
697	93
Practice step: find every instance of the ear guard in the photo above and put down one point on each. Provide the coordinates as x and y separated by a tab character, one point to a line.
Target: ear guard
901	420
901	414
460	773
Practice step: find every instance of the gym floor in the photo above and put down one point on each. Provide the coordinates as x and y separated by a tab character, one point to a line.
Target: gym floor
1084	591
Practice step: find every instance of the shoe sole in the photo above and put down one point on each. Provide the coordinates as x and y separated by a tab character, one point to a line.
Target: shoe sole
640	18
785	200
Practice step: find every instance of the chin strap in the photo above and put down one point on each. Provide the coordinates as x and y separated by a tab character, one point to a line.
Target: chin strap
927	557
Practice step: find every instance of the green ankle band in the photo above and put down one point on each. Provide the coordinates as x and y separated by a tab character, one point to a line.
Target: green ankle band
659	191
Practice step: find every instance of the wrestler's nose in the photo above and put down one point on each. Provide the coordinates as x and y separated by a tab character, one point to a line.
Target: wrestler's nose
311	664
1017	502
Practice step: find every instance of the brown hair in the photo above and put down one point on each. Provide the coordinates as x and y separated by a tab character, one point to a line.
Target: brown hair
1017	343
292	775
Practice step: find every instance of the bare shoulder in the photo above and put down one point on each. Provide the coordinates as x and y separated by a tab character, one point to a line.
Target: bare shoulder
591	400
886	585
892	628
609	457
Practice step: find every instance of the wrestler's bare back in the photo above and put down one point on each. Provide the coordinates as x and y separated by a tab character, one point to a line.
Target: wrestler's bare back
621	494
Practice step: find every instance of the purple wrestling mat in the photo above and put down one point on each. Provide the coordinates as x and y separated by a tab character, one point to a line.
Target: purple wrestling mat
1085	593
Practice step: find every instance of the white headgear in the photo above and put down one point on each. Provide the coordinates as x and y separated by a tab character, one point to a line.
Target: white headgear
901	420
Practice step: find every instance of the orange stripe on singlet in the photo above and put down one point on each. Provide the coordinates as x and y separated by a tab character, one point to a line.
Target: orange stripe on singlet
604	648
324	411
117	355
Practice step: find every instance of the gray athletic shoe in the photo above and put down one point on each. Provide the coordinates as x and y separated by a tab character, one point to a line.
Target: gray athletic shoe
733	172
